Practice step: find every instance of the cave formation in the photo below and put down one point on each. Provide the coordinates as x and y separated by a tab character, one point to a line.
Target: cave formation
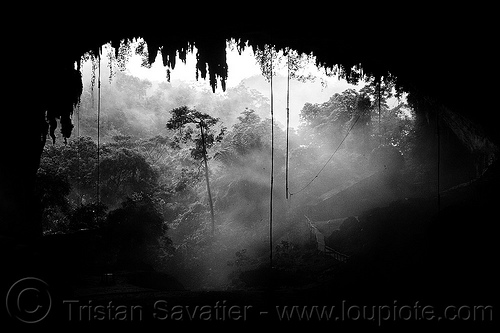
440	58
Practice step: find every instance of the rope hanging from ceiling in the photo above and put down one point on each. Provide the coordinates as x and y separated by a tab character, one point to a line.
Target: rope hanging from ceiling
287	125
329	159
272	164
98	198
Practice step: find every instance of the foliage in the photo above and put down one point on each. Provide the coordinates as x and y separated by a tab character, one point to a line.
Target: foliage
339	139
151	182
250	135
88	216
338	113
242	259
247	135
76	162
68	181
268	59
182	117
338	110
286	254
124	171
138	230
53	190
138	221
296	63
135	107
66	177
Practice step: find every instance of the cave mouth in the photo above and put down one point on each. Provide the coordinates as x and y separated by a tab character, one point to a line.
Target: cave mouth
120	131
358	149
426	242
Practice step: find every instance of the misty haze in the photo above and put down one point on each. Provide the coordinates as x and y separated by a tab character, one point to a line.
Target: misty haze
285	183
144	165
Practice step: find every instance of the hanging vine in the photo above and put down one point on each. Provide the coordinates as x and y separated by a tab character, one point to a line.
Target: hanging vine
268	60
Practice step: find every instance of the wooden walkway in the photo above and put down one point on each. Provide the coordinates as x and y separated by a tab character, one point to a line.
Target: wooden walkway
321	245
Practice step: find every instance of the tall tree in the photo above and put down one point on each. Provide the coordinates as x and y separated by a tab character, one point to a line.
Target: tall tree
182	117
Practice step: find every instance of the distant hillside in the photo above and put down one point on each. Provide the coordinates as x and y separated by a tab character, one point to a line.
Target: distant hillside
300	93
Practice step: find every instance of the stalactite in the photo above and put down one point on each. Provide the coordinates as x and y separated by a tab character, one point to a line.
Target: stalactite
115	44
211	59
211	56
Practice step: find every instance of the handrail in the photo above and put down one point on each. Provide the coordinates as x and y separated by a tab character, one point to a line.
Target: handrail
321	245
336	254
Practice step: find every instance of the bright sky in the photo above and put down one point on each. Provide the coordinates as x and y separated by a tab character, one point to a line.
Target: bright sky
240	67
244	67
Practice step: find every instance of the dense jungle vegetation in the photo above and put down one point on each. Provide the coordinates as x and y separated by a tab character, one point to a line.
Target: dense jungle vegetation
145	187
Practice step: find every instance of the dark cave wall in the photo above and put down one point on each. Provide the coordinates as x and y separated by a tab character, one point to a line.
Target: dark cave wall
40	96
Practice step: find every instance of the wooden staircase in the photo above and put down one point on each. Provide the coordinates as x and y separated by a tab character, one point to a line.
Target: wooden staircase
319	238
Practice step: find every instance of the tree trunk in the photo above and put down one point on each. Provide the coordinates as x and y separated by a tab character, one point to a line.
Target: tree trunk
207	178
